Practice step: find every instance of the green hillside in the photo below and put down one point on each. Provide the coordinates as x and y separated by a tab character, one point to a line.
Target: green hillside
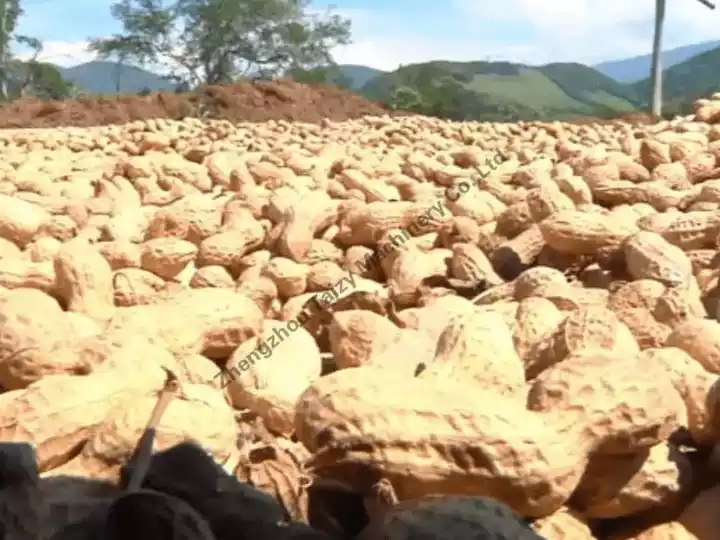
358	75
685	82
502	90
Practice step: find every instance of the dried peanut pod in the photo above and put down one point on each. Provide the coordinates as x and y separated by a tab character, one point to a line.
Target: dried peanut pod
228	248
120	254
21	221
616	415
469	263
43	249
211	276
302	221
583	330
289	276
546	200
536	318
208	321
563	525
576	189
581	233
33	336
191	218
694	385
341	413
649	256
198	413
641	293
617	486
167	257
478	348
16	273
514	256
355	334
700	338
136	287
482	206
678	306
505	291
278	469
693	230
323	275
654	153
266	374
568	297
261	290
54	416
409	272
645	328
514	220
84	280
530	280
365	224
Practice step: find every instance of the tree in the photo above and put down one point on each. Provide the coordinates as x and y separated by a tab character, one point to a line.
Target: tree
33	78
215	41
406	98
12	14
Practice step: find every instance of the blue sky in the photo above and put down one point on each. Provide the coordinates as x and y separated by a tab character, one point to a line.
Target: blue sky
392	32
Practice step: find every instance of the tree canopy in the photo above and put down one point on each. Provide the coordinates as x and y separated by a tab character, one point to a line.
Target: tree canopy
216	41
28	77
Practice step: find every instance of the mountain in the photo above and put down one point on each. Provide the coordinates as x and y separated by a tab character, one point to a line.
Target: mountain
358	75
684	82
489	90
100	77
634	69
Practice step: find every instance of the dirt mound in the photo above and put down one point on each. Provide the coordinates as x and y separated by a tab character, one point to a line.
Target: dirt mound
258	101
252	101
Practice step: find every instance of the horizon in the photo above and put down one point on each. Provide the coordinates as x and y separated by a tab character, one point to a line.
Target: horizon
531	32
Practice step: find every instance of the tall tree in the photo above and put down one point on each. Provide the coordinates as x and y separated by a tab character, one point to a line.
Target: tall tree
20	78
10	12
216	41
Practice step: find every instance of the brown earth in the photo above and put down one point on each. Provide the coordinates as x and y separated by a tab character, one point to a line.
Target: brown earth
252	101
259	101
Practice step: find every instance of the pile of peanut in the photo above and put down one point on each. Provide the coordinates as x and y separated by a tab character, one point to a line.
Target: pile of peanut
522	311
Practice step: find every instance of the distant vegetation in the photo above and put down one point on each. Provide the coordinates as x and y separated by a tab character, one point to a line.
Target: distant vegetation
635	69
251	39
492	91
501	90
685	82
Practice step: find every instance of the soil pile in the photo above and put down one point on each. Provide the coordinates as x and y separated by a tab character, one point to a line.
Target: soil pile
257	101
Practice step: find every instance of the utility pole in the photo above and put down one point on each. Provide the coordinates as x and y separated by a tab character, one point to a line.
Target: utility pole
656	73
656	69
4	42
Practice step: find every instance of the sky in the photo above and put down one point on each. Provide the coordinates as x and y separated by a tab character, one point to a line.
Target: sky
389	33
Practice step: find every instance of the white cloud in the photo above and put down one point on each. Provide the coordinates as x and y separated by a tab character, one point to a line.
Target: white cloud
388	53
590	31
62	53
539	31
